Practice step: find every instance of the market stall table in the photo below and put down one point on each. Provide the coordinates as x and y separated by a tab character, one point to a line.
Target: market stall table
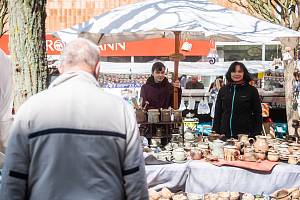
172	176
204	177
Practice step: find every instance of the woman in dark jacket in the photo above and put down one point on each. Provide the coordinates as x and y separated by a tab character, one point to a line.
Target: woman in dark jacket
238	109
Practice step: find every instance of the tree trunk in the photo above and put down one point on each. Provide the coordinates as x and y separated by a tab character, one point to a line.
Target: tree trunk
27	47
3	16
289	68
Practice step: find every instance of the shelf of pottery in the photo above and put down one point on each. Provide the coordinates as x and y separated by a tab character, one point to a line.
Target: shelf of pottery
159	126
281	194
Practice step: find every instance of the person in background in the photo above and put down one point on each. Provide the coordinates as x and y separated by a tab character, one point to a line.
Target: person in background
183	81
157	91
194	84
73	141
238	107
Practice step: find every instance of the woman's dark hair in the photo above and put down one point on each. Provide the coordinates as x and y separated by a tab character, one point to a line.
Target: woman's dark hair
158	66
246	77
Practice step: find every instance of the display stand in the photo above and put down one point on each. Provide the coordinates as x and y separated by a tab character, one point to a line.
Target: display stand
161	130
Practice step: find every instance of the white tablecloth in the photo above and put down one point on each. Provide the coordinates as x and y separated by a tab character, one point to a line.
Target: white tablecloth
172	176
202	177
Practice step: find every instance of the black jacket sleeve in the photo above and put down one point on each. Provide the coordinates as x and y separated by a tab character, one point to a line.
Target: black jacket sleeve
143	94
256	113
218	113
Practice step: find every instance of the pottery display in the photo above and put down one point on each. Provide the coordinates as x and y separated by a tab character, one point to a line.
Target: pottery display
164	155
260	155
280	195
153	115
231	153
245	140
177	115
213	136
235	142
249	154
273	156
217	147
234	195
204	149
159	132
293	159
196	153
192	196
294	193
294	147
261	144
189	135
165	115
141	115
283	149
179	154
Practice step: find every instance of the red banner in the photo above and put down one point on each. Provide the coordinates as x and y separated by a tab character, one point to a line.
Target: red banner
151	47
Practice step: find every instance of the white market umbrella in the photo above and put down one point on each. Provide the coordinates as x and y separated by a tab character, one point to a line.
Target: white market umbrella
161	18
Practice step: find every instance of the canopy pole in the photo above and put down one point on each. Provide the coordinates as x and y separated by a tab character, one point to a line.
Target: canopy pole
177	56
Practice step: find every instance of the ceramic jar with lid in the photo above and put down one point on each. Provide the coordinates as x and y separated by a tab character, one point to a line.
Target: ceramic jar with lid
153	115
165	115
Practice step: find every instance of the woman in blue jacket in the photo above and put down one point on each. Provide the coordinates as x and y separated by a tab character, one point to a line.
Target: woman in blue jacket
238	109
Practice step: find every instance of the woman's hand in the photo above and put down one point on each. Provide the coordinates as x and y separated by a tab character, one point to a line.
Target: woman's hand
176	84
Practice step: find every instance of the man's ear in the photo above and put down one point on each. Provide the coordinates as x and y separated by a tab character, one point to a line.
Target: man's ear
97	70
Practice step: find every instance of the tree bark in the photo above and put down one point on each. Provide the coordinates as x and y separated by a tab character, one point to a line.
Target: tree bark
288	82
3	16
27	47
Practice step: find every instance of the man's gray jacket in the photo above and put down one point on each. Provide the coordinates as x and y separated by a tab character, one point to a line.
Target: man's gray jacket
74	142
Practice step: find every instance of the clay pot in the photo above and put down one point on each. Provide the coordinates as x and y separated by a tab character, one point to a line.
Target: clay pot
273	156
293	159
260	155
294	147
245	140
196	153
231	153
281	195
261	144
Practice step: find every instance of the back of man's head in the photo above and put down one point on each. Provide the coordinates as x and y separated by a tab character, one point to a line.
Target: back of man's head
80	54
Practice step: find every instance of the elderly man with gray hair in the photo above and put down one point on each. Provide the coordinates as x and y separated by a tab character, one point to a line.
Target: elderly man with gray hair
74	142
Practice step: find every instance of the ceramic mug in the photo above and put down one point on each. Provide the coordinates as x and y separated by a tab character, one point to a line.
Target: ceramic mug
293	159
